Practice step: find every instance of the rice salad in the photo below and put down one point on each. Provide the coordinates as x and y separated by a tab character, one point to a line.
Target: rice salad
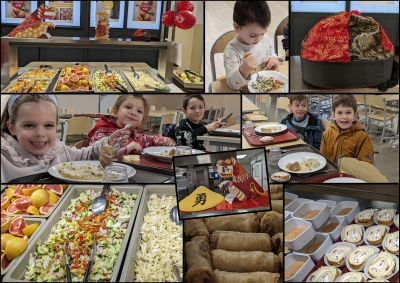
312	163
269	84
78	225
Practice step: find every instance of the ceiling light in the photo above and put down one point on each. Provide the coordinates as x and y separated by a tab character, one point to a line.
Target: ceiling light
241	156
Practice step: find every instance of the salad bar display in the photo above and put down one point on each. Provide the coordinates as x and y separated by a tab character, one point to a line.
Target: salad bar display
28	86
112	83
188	79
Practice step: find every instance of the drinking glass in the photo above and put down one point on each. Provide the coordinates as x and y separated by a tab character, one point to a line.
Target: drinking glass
183	150
115	174
274	155
248	127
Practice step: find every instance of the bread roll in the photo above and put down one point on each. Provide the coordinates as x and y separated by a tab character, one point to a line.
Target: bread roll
107	154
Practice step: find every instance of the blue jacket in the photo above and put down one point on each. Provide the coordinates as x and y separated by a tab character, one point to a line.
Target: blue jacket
313	132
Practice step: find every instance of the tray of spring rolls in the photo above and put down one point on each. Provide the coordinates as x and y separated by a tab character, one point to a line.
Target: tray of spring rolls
116	83
238	248
301	163
156	241
73	222
146	77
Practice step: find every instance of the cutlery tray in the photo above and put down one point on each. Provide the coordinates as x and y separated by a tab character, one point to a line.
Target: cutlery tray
285	136
294	177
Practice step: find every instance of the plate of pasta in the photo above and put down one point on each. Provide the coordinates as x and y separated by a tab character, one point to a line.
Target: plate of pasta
273	82
302	162
270	128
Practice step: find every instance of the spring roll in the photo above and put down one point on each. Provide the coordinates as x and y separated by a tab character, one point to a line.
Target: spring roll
272	223
277	242
249	277
280	257
244	261
237	241
246	223
260	215
195	227
277	205
276	192
198	261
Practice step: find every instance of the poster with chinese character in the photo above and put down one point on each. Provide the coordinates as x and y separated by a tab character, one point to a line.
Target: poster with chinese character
17	11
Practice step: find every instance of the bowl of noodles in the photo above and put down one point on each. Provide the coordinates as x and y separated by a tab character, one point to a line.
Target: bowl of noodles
274	82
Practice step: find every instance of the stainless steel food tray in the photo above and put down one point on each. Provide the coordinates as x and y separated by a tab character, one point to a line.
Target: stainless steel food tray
16	274
56	70
185	84
128	271
128	86
31	242
154	77
18	79
74	91
65	192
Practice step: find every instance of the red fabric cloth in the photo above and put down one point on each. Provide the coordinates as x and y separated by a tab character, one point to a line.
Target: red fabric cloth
386	43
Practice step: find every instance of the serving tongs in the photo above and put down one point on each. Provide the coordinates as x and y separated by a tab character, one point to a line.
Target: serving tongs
158	89
193	73
90	260
113	86
67	261
29	90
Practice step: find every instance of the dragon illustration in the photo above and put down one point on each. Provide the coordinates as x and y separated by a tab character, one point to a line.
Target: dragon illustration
34	26
243	185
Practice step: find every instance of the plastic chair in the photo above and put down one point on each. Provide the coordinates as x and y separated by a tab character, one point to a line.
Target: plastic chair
279	31
167	120
71	111
221	113
362	170
263	99
325	123
282	105
207	116
77	127
219	47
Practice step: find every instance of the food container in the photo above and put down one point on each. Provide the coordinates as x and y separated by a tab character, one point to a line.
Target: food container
303	271
352	246
338	230
18	83
77	90
128	74
26	74
16	274
319	219
31	243
296	204
187	84
121	79
330	203
60	198
320	252
289	196
304	238
128	271
355	208
287	216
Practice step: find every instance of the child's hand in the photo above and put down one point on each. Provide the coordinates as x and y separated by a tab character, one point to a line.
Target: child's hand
167	142
223	123
113	138
213	126
271	62
249	64
133	147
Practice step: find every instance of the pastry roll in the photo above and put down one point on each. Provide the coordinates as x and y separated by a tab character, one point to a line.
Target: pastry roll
337	255
383	265
246	223
325	274
365	217
277	242
106	156
261	214
359	256
244	261
248	277
277	205
379	279
396	221
376	234
195	227
272	223
237	241
276	192
351	277
353	233
392	242
280	257
198	261
385	216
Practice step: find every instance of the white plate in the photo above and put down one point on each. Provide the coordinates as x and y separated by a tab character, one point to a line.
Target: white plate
155	151
278	179
299	156
53	171
283	128
276	75
344	180
228	131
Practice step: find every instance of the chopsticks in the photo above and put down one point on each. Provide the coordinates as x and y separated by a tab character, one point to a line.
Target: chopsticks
90	260
67	261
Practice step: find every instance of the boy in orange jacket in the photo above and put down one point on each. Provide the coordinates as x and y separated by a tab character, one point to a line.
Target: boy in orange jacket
346	136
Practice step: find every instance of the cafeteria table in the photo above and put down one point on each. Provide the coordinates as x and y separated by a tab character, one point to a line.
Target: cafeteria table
220	86
248	106
298	85
219	141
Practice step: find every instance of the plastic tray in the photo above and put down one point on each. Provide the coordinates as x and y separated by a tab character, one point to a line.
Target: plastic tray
128	271
285	136
154	77
185	84
65	192
148	163
56	72
16	274
325	178
31	242
128	86
315	175
226	133
16	80
74	91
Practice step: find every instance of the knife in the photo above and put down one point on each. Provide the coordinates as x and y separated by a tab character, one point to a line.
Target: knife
226	118
90	261
67	262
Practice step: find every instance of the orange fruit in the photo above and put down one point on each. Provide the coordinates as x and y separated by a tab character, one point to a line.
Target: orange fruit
32	210
13	199
53	197
4	238
64	186
5	224
30	229
40	197
29	191
17	225
10	192
14	247
5	202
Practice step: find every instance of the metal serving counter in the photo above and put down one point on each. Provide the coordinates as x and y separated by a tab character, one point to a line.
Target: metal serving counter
10	46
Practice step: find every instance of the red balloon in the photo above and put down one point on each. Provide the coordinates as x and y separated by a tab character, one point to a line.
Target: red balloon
168	18
185	5
185	19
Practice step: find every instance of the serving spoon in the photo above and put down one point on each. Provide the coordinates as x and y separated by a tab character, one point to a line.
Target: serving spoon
135	75
108	72
99	203
174	214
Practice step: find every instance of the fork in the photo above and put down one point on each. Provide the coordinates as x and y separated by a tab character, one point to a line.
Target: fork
117	146
258	79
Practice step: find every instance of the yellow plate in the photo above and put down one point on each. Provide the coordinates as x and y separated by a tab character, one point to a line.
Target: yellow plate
201	199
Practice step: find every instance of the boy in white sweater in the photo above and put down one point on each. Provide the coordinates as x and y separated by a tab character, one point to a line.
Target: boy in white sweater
251	48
